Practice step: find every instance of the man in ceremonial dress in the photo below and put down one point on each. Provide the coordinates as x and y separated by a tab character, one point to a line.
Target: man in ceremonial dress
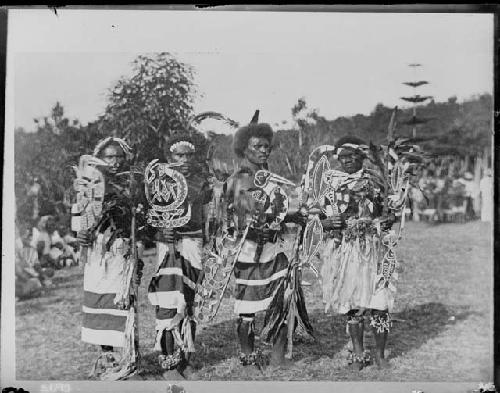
172	288
108	319
353	282
262	265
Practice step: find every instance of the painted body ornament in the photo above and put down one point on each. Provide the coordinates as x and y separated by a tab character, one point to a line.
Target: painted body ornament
272	202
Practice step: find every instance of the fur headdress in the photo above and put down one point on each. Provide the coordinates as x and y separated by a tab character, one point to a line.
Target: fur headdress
254	129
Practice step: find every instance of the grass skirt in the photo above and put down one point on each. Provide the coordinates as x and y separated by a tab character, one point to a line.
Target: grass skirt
352	275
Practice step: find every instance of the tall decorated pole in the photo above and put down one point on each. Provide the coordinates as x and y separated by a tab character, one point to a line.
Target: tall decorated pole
218	170
391	129
135	209
416	98
128	296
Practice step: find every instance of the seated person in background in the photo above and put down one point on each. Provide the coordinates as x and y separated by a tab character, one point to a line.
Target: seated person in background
52	249
30	277
29	257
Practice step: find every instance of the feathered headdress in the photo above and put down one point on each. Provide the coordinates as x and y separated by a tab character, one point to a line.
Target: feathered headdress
103	143
352	143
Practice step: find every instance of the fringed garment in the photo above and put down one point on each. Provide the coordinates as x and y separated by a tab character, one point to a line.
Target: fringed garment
173	287
172	290
106	285
288	307
353	274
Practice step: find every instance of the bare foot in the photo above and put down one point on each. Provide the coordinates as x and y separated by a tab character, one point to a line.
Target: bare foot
356	365
189	372
172	375
355	361
382	363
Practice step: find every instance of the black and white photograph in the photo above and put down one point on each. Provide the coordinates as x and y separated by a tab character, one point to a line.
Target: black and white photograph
244	198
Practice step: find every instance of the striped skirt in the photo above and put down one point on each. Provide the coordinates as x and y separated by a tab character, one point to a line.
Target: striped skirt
173	287
257	283
105	275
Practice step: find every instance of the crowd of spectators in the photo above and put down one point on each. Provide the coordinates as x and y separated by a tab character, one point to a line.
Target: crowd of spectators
40	251
446	193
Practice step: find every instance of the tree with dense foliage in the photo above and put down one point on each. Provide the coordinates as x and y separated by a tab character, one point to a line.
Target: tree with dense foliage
156	100
46	156
463	130
150	104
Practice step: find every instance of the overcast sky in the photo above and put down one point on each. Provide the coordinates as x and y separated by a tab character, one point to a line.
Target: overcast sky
342	63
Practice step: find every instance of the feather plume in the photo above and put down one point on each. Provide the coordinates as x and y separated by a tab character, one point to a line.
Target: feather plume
255	118
197	119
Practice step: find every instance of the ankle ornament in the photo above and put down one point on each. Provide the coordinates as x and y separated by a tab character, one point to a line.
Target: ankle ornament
364	359
256	358
169	362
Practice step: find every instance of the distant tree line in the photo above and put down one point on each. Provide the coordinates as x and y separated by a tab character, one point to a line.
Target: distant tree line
156	100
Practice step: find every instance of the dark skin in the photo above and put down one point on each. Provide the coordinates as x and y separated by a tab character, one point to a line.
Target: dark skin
257	152
114	156
256	155
350	162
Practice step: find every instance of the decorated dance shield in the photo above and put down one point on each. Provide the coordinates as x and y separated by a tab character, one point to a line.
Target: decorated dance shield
326	183
216	270
90	187
313	236
319	187
311	243
166	191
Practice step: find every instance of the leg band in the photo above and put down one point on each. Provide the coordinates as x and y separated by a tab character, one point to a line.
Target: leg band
248	319
381	321
353	320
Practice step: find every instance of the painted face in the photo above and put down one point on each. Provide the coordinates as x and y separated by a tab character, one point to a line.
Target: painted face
258	150
114	156
350	160
185	155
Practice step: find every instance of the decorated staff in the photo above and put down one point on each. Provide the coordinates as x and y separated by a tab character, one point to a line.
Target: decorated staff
177	195
288	310
256	217
112	270
218	171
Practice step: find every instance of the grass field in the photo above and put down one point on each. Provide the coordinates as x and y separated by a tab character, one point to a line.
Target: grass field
444	329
